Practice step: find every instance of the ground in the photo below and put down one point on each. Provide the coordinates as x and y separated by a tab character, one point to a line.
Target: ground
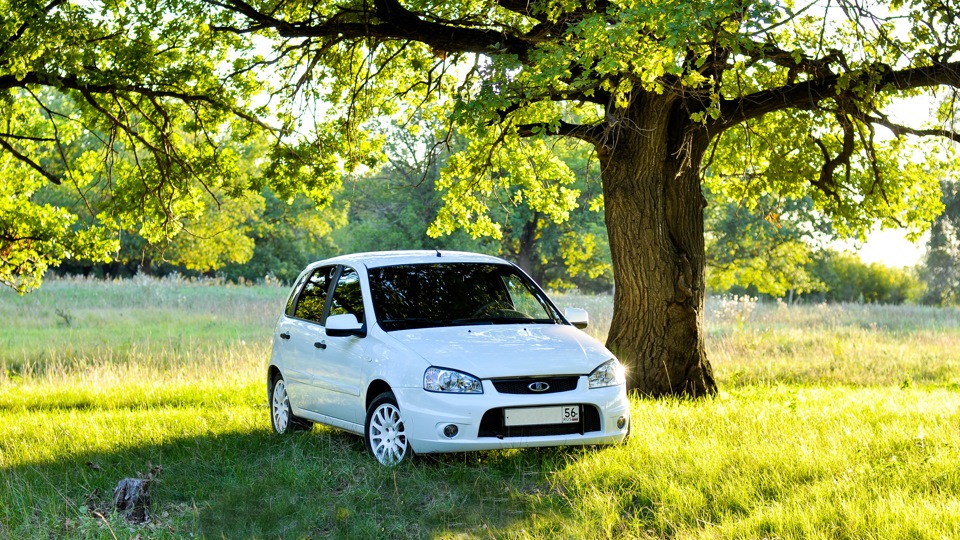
832	421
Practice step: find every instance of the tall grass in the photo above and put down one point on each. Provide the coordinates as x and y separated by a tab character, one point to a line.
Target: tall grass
74	322
832	422
750	342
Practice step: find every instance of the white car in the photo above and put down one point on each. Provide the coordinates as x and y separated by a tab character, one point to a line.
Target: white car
429	351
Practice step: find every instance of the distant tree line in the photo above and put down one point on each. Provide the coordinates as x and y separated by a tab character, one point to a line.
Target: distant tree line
834	276
781	249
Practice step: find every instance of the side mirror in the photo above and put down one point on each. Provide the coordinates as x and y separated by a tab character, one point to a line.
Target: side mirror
345	324
577	317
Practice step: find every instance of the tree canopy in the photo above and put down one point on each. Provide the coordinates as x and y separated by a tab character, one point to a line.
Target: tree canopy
772	98
142	111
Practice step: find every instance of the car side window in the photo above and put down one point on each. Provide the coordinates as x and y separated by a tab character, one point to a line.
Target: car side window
293	296
347	297
314	295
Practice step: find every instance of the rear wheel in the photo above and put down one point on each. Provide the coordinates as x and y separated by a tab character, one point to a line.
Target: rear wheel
385	433
281	415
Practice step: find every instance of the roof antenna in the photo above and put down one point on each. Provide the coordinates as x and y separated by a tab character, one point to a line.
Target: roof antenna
438	252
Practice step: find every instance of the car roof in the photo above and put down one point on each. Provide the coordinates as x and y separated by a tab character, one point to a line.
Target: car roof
375	259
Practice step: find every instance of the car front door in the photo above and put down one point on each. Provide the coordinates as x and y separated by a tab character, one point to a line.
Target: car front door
342	357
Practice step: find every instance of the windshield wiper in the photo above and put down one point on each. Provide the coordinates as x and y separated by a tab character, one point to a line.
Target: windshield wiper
501	320
412	322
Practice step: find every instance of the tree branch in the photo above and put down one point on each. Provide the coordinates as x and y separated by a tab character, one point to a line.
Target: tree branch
73	82
590	133
899	129
808	94
388	20
826	182
26	24
25	138
33	164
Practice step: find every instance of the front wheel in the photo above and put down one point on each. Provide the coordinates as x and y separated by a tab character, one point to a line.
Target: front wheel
385	433
281	415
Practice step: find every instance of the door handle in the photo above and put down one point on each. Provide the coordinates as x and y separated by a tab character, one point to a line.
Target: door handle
320	345
284	335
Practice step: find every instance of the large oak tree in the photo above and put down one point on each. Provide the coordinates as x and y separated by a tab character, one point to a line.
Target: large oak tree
758	98
762	97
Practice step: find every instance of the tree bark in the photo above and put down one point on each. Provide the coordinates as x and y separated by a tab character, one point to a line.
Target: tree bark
654	216
527	250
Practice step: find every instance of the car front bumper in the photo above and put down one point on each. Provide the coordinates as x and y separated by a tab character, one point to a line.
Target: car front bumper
479	418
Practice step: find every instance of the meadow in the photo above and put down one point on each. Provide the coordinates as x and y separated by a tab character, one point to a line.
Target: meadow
833	421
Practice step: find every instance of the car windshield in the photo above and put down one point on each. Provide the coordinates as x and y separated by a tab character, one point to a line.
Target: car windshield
453	294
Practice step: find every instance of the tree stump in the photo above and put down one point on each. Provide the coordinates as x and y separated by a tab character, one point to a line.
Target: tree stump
131	498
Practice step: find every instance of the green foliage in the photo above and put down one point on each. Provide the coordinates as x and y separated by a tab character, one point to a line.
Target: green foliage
826	276
941	266
774	247
586	255
387	212
519	171
560	252
762	244
575	70
781	154
391	209
287	236
133	116
846	279
36	236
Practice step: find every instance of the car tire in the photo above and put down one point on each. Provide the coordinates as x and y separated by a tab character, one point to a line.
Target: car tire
281	415
385	433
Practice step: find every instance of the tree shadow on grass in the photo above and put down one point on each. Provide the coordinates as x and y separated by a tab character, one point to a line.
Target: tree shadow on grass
311	485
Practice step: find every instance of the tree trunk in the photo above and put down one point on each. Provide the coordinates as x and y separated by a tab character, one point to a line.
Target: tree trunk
527	257
654	216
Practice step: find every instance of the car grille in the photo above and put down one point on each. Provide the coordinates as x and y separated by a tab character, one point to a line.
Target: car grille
522	386
491	425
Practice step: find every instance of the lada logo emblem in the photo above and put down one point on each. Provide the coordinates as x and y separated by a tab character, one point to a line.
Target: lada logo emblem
538	386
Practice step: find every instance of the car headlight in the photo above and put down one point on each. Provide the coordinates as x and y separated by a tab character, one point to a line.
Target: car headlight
447	380
609	373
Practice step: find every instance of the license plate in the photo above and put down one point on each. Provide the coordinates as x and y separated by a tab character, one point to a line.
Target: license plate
563	414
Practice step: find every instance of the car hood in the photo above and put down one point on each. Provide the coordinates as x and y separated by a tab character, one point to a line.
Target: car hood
507	350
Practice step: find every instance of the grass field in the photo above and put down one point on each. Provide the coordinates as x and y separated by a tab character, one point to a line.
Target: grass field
832	422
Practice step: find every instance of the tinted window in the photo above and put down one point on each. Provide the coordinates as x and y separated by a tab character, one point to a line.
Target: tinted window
314	295
293	296
448	294
347	297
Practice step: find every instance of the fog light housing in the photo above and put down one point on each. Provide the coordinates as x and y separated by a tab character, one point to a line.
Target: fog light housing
622	421
450	431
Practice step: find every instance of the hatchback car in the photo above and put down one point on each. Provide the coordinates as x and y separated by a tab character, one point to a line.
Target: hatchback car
429	351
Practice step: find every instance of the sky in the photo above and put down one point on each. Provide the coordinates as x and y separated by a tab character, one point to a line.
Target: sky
890	247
